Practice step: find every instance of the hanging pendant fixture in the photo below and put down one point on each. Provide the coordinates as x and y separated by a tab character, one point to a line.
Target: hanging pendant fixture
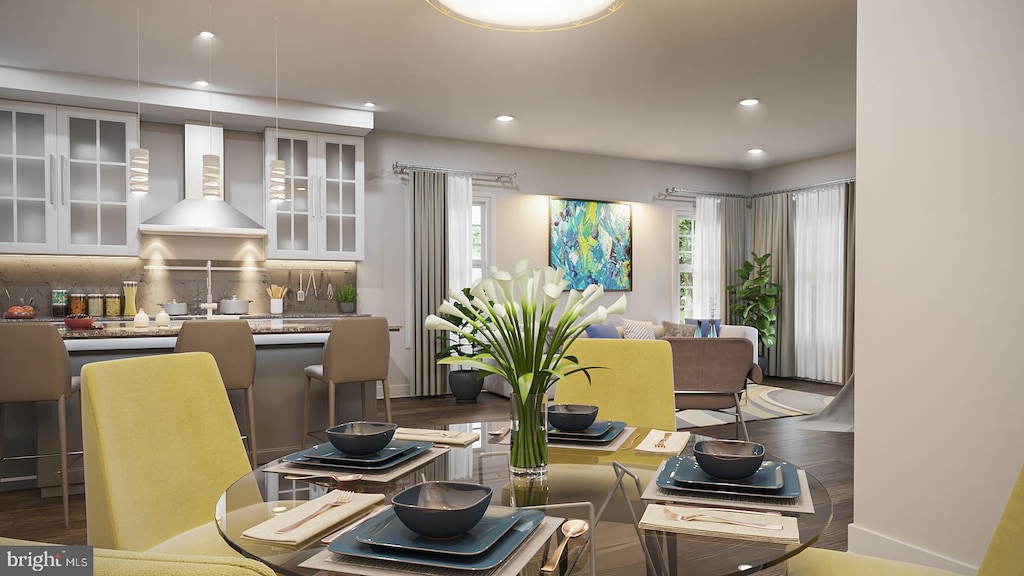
211	162
138	158
277	173
527	15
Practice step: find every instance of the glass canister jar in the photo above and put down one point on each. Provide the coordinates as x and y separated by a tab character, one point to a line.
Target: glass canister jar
131	288
112	305
76	304
95	306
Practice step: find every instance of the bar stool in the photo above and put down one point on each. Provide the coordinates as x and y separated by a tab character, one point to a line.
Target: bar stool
37	368
357	350
231	344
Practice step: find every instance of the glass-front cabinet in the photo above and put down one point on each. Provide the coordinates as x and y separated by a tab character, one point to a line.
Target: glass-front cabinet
322	218
64	180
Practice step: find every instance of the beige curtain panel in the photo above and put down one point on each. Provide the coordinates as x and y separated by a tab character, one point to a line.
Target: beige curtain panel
430	277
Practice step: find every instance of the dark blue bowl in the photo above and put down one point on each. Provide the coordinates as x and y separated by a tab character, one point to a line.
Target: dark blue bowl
729	459
572	417
442	509
361	438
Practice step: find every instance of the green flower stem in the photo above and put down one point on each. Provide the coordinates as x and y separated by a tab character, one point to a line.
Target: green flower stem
530	442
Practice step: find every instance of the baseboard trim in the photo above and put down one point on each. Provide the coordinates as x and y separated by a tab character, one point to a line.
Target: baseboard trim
862	540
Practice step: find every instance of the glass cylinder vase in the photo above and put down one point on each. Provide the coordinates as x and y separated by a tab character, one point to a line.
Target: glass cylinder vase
528	456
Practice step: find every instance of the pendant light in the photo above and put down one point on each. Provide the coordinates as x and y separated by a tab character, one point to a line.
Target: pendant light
527	15
211	162
277	168
138	158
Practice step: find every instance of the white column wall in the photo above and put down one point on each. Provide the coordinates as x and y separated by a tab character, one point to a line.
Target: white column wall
940	130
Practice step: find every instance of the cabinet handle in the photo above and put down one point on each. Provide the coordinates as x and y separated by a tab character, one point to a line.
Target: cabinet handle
65	174
323	196
51	169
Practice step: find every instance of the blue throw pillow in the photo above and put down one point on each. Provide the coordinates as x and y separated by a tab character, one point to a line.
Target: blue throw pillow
602	331
705	325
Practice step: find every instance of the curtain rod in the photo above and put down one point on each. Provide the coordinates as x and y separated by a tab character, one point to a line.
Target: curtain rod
676	194
476	175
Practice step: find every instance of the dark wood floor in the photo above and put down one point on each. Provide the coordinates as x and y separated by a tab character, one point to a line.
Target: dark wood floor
826	455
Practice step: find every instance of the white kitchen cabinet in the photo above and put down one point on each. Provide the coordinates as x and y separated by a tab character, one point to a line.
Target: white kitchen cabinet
323	216
64	180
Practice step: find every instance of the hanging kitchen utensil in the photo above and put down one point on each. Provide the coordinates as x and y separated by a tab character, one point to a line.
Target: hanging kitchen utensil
300	294
330	287
312	282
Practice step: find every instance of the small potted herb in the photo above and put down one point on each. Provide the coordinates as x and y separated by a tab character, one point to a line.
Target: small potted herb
346	297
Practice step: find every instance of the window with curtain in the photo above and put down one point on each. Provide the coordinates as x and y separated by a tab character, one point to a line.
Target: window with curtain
819	249
684	261
707	258
481	236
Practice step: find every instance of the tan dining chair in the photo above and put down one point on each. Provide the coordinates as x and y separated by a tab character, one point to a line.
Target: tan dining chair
37	368
231	344
357	350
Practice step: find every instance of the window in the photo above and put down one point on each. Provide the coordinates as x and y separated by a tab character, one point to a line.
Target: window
481	235
685	225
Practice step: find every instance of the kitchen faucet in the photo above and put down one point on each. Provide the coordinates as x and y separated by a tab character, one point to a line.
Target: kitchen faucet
209	306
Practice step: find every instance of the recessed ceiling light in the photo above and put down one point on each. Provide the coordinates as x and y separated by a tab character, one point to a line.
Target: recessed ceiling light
201	83
206	34
749	102
504	118
755	151
369	104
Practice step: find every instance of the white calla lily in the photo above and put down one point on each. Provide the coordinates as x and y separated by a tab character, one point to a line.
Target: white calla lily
449	309
596	317
433	322
619	307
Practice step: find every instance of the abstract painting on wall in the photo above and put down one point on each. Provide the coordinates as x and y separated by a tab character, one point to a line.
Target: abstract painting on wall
593	242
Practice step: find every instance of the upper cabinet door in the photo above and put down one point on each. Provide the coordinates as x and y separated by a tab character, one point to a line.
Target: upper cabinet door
28	198
323	216
340	166
98	213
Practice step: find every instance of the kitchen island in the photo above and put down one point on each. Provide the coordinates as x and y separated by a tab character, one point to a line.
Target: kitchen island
284	347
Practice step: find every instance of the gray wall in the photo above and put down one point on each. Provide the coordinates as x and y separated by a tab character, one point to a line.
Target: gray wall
939	137
818	170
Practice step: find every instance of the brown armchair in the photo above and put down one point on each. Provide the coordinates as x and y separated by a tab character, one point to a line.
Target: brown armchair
712	374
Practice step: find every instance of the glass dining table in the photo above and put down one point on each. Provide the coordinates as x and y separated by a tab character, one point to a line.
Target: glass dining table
580	480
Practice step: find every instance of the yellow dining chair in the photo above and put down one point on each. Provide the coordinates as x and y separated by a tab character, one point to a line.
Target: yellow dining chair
1005	554
37	368
161	445
357	350
121	563
231	344
633	383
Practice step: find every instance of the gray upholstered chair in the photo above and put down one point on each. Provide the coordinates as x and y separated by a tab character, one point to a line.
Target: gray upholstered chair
357	350
231	344
712	374
37	368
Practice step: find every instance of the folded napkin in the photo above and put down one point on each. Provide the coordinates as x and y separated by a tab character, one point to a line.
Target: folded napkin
265	531
668	519
451	437
674	444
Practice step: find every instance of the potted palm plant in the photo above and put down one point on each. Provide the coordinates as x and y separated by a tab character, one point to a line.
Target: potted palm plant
346	297
756	299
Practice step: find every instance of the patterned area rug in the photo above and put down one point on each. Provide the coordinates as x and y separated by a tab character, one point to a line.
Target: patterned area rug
762	403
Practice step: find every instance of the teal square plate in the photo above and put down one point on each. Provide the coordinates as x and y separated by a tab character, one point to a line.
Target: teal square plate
596	429
612	433
689	473
790	483
348	545
387	531
306	457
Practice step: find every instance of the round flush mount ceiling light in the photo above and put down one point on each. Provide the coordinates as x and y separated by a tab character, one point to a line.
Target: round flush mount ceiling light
527	15
504	118
755	151
749	102
369	104
206	34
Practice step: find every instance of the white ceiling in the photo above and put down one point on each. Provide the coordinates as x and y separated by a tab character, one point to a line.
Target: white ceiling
659	80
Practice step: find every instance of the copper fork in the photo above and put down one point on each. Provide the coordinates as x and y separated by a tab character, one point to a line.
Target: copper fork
343	498
661	443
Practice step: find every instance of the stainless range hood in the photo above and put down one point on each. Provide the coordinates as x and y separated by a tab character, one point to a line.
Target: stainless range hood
196	215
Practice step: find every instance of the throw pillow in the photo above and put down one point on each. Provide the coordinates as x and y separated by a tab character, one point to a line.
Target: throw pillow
637	330
677	330
602	331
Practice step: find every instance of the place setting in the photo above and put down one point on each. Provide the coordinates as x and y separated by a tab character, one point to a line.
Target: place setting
439	527
727	488
576	426
358	450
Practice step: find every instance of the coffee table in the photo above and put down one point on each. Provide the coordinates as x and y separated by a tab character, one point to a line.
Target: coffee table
575	475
